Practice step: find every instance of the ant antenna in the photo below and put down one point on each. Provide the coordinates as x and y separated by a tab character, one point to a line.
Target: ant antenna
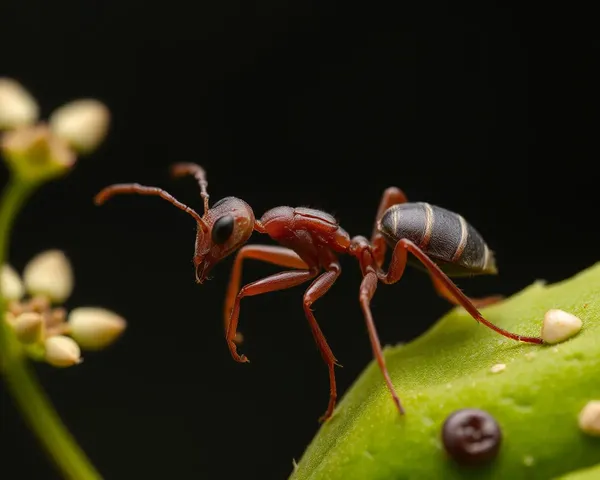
181	169
121	188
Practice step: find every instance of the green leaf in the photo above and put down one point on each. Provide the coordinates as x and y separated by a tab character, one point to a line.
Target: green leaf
536	399
592	473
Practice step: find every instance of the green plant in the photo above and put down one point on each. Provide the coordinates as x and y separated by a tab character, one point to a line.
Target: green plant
34	325
536	398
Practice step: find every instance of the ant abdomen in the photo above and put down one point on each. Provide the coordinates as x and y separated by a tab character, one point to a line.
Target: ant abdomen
447	238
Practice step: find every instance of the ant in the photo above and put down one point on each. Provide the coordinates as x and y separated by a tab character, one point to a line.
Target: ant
441	242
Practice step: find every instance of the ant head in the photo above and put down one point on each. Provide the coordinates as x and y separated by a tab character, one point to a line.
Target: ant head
224	229
220	231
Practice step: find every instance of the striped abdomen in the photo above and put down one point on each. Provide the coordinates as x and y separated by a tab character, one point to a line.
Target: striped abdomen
445	236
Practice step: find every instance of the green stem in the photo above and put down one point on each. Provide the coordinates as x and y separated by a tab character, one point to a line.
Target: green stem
22	384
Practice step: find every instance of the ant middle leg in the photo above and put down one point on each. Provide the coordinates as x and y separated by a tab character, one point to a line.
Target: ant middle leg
372	274
367	291
317	289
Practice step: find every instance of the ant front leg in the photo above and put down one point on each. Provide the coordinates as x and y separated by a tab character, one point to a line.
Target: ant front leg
279	281
391	196
446	293
283	257
317	289
397	265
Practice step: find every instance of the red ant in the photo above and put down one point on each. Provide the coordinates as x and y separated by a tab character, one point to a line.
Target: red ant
442	242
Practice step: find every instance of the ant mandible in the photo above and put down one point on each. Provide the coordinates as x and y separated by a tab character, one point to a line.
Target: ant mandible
444	244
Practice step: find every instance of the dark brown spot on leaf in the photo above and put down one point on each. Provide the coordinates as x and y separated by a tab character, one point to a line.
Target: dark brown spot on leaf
471	436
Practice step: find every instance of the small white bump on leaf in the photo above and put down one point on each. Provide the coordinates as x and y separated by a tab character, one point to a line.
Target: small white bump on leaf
589	418
528	461
498	367
49	274
83	124
94	328
17	106
62	351
559	326
11	285
29	327
530	355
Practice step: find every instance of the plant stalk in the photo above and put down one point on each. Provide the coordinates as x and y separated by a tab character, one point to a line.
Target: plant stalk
22	384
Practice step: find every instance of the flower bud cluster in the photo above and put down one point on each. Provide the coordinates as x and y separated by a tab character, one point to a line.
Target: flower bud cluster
38	150
46	330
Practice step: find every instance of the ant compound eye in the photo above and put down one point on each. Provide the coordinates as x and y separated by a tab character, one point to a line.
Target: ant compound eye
222	229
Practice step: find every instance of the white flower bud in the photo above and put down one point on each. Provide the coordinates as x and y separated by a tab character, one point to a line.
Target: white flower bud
49	273
17	107
29	327
62	351
589	418
83	124
95	328
11	285
35	154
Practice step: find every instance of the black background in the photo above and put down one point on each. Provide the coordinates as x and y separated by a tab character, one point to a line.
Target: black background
486	108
